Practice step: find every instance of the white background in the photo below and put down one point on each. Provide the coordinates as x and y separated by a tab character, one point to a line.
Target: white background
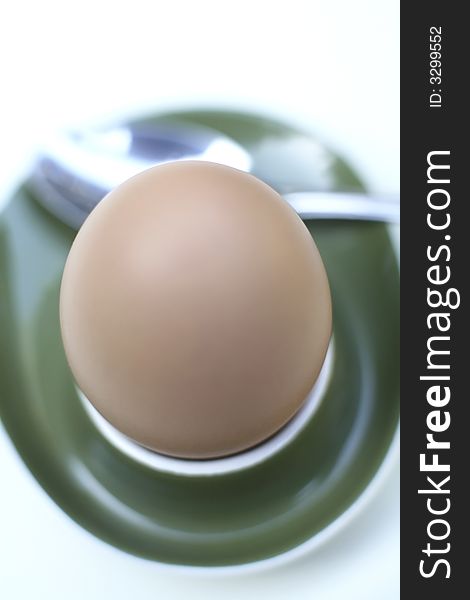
330	66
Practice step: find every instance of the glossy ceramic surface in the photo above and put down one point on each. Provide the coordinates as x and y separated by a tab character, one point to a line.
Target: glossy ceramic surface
233	518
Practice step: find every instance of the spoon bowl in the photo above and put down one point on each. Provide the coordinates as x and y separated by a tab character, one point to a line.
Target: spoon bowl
75	171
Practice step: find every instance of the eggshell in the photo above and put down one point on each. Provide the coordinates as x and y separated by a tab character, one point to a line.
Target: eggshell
195	310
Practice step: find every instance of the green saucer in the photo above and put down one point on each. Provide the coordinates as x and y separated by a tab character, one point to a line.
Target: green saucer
227	519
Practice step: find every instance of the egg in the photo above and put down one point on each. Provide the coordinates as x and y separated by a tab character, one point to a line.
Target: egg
195	310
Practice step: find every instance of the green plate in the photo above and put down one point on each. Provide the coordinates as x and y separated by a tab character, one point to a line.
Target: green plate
227	519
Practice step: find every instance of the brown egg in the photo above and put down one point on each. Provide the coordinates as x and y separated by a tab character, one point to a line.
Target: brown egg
195	310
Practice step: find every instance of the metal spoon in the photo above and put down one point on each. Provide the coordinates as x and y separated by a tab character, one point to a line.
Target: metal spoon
74	172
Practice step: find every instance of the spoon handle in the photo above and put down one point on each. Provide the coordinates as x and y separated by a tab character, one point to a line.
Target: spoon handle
345	205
